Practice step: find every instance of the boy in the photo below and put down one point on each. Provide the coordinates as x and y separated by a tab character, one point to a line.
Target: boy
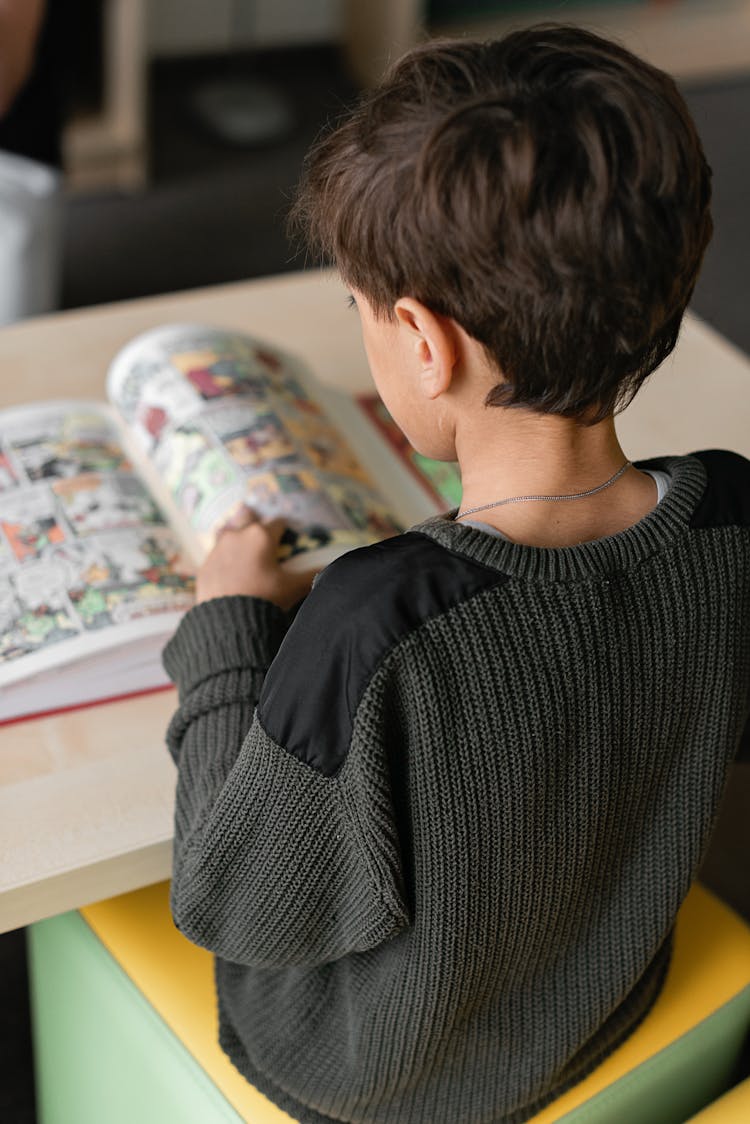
437	827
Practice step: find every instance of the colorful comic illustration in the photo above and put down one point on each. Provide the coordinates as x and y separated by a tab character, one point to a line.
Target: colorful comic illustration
123	576
440	479
209	363
152	399
89	584
62	443
327	450
294	496
243	428
294	396
263	443
131	387
363	509
298	541
31	523
224	368
200	477
7	560
8	474
96	503
34	612
319	514
225	419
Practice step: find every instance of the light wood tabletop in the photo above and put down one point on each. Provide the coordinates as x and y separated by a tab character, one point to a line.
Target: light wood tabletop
86	797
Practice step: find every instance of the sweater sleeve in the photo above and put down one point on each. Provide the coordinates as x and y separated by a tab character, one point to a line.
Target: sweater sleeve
275	862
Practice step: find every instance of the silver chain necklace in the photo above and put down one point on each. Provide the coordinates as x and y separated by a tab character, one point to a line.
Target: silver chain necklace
526	499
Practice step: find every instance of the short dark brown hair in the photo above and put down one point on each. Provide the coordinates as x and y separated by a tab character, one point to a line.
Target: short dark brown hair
548	191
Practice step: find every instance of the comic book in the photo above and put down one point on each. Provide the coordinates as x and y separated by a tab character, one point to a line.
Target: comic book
106	509
440	479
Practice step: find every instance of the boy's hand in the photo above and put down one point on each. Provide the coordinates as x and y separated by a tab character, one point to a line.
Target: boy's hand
244	561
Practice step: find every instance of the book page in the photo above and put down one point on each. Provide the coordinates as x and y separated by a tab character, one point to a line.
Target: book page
440	479
87	559
225	420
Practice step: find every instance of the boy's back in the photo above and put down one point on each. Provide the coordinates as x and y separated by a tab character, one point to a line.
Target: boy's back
440	860
442	876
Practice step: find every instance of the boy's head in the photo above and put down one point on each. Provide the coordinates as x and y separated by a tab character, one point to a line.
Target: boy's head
547	191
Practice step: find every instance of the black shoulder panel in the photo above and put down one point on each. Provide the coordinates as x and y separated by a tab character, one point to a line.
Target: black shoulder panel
726	500
362	605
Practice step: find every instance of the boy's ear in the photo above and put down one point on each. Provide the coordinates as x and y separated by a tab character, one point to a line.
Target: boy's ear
435	344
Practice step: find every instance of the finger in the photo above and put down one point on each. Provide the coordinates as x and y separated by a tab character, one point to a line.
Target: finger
302	582
240	518
244	516
275	528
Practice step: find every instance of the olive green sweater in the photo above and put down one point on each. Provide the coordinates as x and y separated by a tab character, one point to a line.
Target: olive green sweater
437	827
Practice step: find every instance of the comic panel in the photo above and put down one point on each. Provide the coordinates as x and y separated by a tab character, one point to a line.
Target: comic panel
294	496
7	561
34	611
297	498
121	576
8	475
211	363
174	379
363	509
223	365
30	522
326	449
99	503
129	390
319	512
152	398
295	398
254	440
61	443
224	419
202	480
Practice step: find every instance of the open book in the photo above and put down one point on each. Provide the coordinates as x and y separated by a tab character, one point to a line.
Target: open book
106	509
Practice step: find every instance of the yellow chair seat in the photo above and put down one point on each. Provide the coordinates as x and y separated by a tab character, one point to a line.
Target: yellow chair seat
710	966
710	970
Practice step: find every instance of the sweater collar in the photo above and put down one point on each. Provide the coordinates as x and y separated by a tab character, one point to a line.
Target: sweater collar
668	521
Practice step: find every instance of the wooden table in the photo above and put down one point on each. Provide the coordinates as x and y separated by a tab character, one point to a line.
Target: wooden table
86	797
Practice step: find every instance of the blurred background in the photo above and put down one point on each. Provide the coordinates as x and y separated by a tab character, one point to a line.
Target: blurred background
178	127
148	146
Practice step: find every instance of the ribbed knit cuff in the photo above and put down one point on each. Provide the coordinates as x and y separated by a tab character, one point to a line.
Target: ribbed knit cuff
224	634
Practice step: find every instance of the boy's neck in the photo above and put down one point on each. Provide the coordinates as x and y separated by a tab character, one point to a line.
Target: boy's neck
513	452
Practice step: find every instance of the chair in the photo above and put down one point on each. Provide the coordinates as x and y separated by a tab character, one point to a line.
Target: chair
125	1025
732	1108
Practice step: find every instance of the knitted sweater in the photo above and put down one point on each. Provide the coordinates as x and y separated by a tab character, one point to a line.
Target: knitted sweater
437	828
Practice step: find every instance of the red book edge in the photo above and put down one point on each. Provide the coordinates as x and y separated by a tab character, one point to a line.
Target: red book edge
392	435
84	705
